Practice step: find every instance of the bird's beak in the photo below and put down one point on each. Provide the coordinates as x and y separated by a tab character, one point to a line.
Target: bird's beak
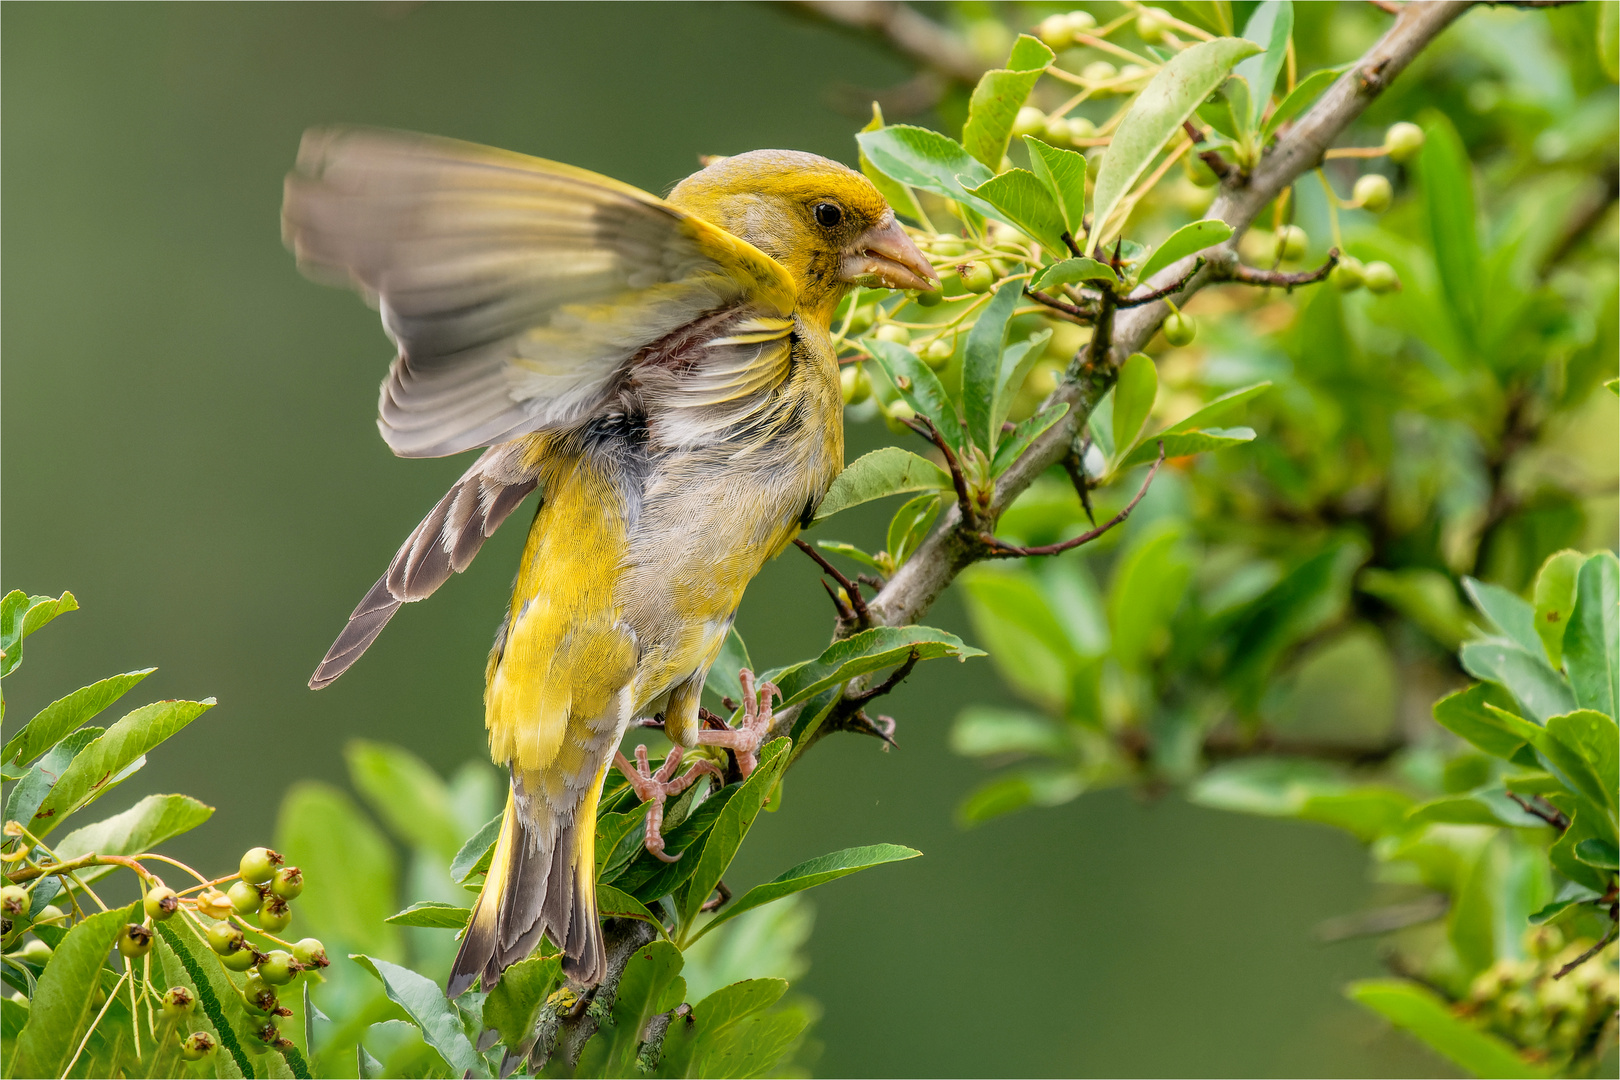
885	256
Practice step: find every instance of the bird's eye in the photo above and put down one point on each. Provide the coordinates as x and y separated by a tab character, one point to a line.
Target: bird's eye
828	215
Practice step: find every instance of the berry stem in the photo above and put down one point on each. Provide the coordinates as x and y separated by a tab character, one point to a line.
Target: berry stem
93	1025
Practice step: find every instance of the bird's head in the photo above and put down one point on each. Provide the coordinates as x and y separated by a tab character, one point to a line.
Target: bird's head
823	221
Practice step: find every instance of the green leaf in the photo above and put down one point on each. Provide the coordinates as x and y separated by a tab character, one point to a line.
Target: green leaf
1013	445
514	1005
476	850
986	730
1271	787
21	615
1586	822
1070	271
723	680
1270	26
1526	676
1367	811
648	879
1016	363
1064	174
850	551
29	793
61	716
1466	714
1147	586
1014	791
1448	195
735	819
63	1002
889	471
981	364
1183	444
925	159
1426	597
919	386
1304	93
700	1047
1028	644
406	794
1134	394
1023	200
349	869
910	525
1555	601
1212	15
438	1019
187	961
1154	118
1598	853
432	914
807	875
617	904
1507	612
897	195
102	762
1425	1014
998	97
1187	240
1592	641
142	827
1487	805
1582	745
1219	409
865	652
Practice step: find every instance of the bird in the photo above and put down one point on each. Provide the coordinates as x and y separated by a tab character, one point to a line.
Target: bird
662	372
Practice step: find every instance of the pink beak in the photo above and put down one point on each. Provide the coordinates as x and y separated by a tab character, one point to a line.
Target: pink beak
885	256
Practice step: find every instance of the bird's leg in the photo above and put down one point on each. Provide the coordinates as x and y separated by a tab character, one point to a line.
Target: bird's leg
744	739
654	787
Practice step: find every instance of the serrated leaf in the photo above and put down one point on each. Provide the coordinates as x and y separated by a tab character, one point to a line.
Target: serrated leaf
142	827
476	850
1185	241
925	159
884	472
1592	641
807	875
1555	601
1540	690
98	767
432	914
1072	271
63	1004
896	194
1466	714
730	827
919	386
514	1005
1426	1015
1582	745
438	1019
981	365
1299	99
1185	443
1134	394
1013	445
63	715
687	1047
21	615
1025	202
999	95
865	652
910	525
1154	119
29	793
1064	174
1508	613
1269	26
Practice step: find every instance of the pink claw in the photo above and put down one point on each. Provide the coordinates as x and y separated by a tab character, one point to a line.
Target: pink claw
744	739
655	787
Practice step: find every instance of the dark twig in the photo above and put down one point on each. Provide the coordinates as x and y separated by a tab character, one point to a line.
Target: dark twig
880	728
999	550
1546	812
1074	465
845	615
923	426
899	673
1073	311
1068	242
1588	954
1168	290
860	616
1248	275
715	903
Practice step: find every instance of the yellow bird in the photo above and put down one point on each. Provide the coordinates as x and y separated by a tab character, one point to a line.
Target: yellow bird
663	373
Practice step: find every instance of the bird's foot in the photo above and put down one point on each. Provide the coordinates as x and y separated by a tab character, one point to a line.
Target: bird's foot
654	787
744	739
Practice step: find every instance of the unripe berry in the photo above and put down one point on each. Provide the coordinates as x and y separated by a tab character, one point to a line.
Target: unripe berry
938	354
930	298
277	968
1094	165
310	952
1029	121
178	1001
899	335
259	865
224	938
1198	171
951	246
1081	22
855	385
1179	329
36	950
1056	32
275	914
49	915
896	416
1058	131
1373	193
161	902
861	321
1081	128
197	1045
14	900
215	904
1402	141
259	994
245	898
977	277
269	1033
1132	71
1380	277
1150	26
240	960
1348	275
288	883
135	942
1291	243
1099	71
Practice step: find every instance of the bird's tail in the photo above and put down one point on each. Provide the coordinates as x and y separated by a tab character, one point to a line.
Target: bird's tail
542	880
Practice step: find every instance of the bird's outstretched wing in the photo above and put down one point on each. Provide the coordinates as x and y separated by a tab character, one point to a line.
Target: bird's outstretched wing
519	291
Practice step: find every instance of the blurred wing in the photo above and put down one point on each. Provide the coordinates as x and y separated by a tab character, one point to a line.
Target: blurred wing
519	291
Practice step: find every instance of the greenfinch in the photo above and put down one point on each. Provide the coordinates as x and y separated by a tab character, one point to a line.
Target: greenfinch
662	372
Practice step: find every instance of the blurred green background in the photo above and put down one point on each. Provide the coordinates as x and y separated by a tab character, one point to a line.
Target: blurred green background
188	445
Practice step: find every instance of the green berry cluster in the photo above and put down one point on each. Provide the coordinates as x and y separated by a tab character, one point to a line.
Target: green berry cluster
1523	1001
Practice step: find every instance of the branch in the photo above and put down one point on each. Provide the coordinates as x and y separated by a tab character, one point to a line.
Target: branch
999	550
904	29
1249	275
1168	290
916	585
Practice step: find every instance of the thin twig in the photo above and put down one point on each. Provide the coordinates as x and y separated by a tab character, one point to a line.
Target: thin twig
1073	311
923	426
1074	465
899	673
1168	290
1588	954
1278	279
1000	550
1551	815
860	616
